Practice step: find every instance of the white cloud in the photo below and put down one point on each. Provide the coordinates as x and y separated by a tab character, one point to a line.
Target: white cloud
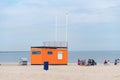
97	11
91	18
95	4
102	4
31	11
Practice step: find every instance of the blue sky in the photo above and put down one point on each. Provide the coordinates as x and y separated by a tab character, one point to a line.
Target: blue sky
92	24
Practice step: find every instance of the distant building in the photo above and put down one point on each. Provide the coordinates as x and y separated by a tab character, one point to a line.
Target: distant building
53	52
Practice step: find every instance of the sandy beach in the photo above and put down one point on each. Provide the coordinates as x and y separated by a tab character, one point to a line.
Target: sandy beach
59	72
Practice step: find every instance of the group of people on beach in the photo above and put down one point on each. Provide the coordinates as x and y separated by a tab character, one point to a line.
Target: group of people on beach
115	62
90	62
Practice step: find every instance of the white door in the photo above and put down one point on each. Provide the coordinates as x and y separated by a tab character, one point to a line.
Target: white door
60	56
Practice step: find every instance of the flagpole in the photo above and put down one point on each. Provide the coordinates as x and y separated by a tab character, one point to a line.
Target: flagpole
56	25
66	27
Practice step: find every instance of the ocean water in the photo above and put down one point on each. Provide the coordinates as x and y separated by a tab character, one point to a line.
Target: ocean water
98	56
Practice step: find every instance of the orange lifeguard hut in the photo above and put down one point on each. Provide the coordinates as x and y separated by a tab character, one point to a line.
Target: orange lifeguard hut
53	52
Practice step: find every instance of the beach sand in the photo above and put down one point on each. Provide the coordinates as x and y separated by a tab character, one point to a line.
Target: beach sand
59	72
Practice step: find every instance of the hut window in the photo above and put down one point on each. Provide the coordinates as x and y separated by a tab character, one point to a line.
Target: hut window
60	56
50	53
37	52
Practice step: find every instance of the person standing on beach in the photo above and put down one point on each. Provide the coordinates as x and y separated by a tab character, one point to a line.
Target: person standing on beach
115	63
78	62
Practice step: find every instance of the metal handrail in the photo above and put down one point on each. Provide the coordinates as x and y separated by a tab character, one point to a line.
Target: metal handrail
55	44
